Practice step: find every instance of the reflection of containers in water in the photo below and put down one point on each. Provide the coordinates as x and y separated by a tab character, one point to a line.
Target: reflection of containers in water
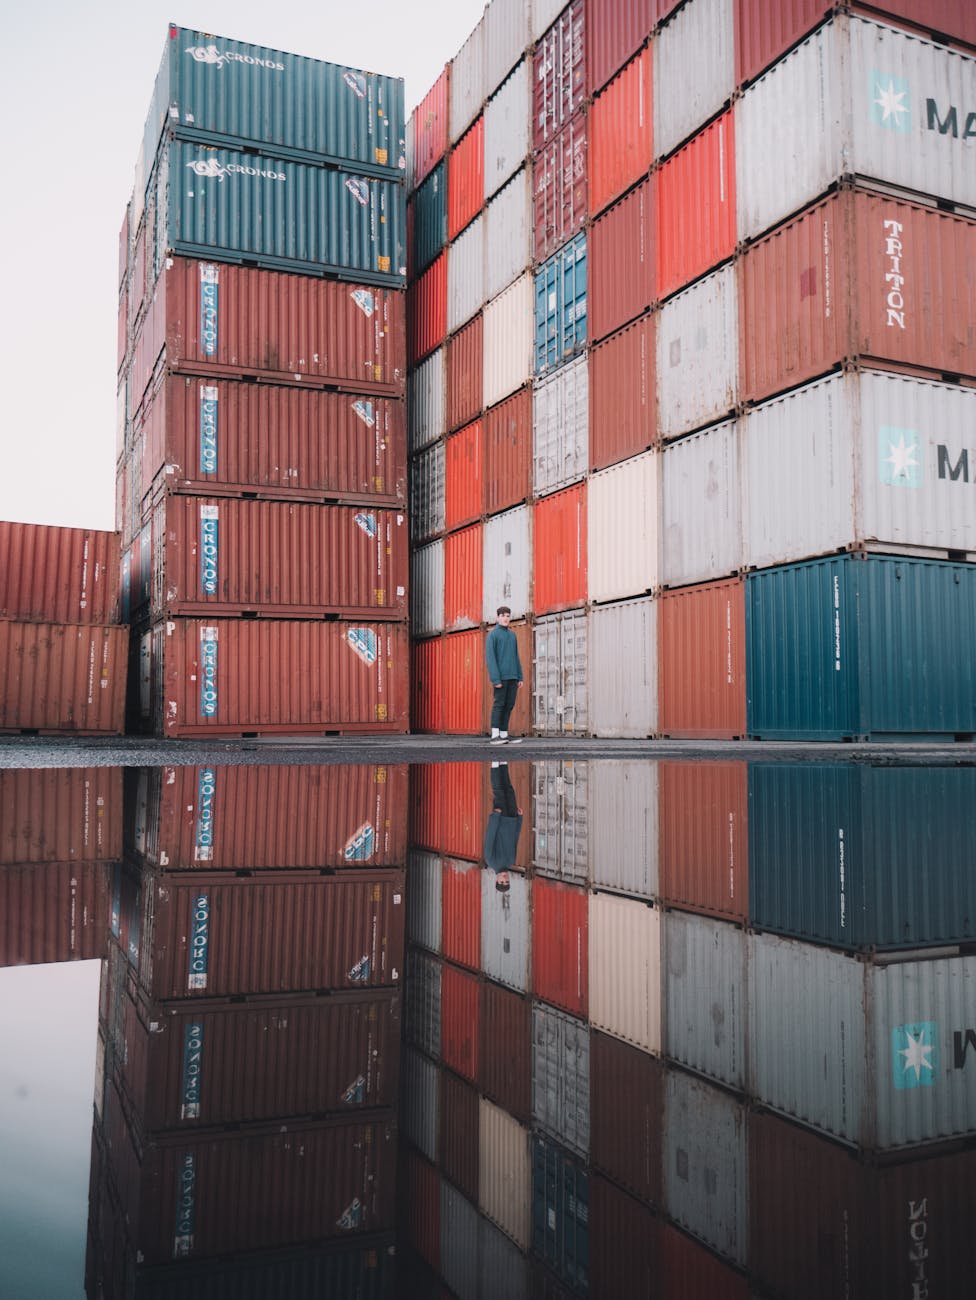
559	819
422	1002
509	336
560	962
419	1205
424	905
623	668
427	401
559	73
461	912
463	567
61	815
624	1240
507	128
625	969
621	130
702	660
559	534
704	837
458	1137
420	1107
505	930
504	1056
623	420
447	802
463	463
694	200
623	815
58	575
694	70
505	1175
627	1100
502	1268
464	684
53	912
622	529
508	234
428	473
705	990
559	199
459	1237
700	529
697	1271
459	1021
427	589
63	678
560	1213
560	427
466	179
507	563
621	258
465	383
698	354
561	1077
560	662
560	306
508	452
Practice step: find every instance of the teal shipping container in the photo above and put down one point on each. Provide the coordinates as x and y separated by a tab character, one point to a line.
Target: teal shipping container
223	92
861	647
561	1213
862	858
560	306
430	219
276	214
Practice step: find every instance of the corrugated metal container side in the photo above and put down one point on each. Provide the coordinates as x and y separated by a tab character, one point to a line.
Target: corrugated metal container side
468	82
459	1022
419	1186
427	478
560	427
53	912
464	681
623	668
561	667
461	917
627	1107
429	206
701	531
704	977
702	660
623	808
560	822
505	931
446	809
694	70
466	179
559	193
559	73
854	239
459	1242
59	575
507	564
622	529
508	128
430	128
463	464
705	1146
690	1270
427	685
694	196
613	32
466	275
507	37
227	676
704	850
624	1246
625	969
621	131
875	454
520	723
61	815
427	569
560	306
622	261
560	550
424	871
420	1107
505	1051
508	234
623	416
544	14
814	630
502	1268
422	1002
560	962
560	1213
63	678
561	1077
508	452
427	310
698	355
459	1135
509	334
520	775
505	1176
427	401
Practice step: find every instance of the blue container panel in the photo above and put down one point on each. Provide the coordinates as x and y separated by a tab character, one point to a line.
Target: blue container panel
560	306
560	1214
430	219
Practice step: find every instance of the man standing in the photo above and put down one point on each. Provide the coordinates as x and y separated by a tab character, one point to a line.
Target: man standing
505	674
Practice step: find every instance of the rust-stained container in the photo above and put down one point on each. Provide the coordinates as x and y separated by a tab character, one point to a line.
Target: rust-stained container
623	414
429	125
621	262
688	1269
626	1115
427	685
558	74
621	132
53	911
210	935
559	190
226	437
559	531
464	686
466	178
858	275
702	660
463	464
61	815
223	556
560	961
460	1004
704	847
459	1133
282	817
505	1053
50	574
461	912
614	30
63	678
520	723
228	677
694	196
623	1241
446	810
465	354
420	1205
508	452
427	311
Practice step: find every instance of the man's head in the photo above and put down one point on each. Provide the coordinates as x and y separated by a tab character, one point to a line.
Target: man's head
503	882
503	615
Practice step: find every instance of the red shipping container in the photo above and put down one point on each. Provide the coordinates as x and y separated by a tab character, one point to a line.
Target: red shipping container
558	74
63	678
462	588
508	452
281	817
466	179
427	311
50	574
61	815
520	723
137	282
559	190
268	440
463	490
122	331
464	687
614	30
430	128
621	132
702	660
688	1269
465	357
427	685
624	1243
704	847
53	912
420	1205
858	275
266	676
125	235
560	963
623	410
620	263
560	550
461	912
505	1055
460	1002
459	1134
627	1115
447	809
694	195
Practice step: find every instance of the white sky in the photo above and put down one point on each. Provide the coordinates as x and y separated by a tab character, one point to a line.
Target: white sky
73	96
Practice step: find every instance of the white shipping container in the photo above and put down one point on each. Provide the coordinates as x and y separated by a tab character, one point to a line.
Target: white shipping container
427	589
467	82
507	561
459	1243
857	98
505	1172
694	70
623	669
560	823
622	529
420	1101
861	458
505	929
700	533
427	401
705	993
625	969
466	275
624	825
561	427
508	234
509	340
427	493
507	37
424	877
698	355
508	122
561	675
544	14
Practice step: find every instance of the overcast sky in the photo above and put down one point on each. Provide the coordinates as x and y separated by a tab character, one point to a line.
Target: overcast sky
74	95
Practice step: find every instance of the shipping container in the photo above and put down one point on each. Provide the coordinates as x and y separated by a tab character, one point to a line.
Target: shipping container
560	306
507	563
702	660
459	1242
420	1109
622	529
430	128
560	1213
58	575
613	32
520	723
463	492
508	234
419	1218
559	533
467	82
560	662
427	401
704	979
704	845
508	128
560	823
690	1270
461	915
466	275
627	1107
502	1268
698	355
447	809
53	911
622	260
623	813
505	1050
506	929
427	577
559	72
422	1002
427	685
459	1139
625	969
424	873
701	532
624	1245
561	1077
505	1177
518	775
623	418
560	964
507	433
427	310
509	335
694	207
560	427
63	678
507	37
694	70
464	355
60	815
429	208
623	668
621	131
559	193
464	680
233	677
427	481
466	179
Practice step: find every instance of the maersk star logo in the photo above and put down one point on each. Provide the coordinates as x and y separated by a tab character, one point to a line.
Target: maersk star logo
890	105
915	1054
898	454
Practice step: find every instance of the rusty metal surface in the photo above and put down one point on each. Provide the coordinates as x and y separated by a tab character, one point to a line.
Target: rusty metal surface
52	574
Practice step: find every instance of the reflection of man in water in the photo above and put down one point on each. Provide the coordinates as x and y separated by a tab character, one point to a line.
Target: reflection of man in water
504	827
